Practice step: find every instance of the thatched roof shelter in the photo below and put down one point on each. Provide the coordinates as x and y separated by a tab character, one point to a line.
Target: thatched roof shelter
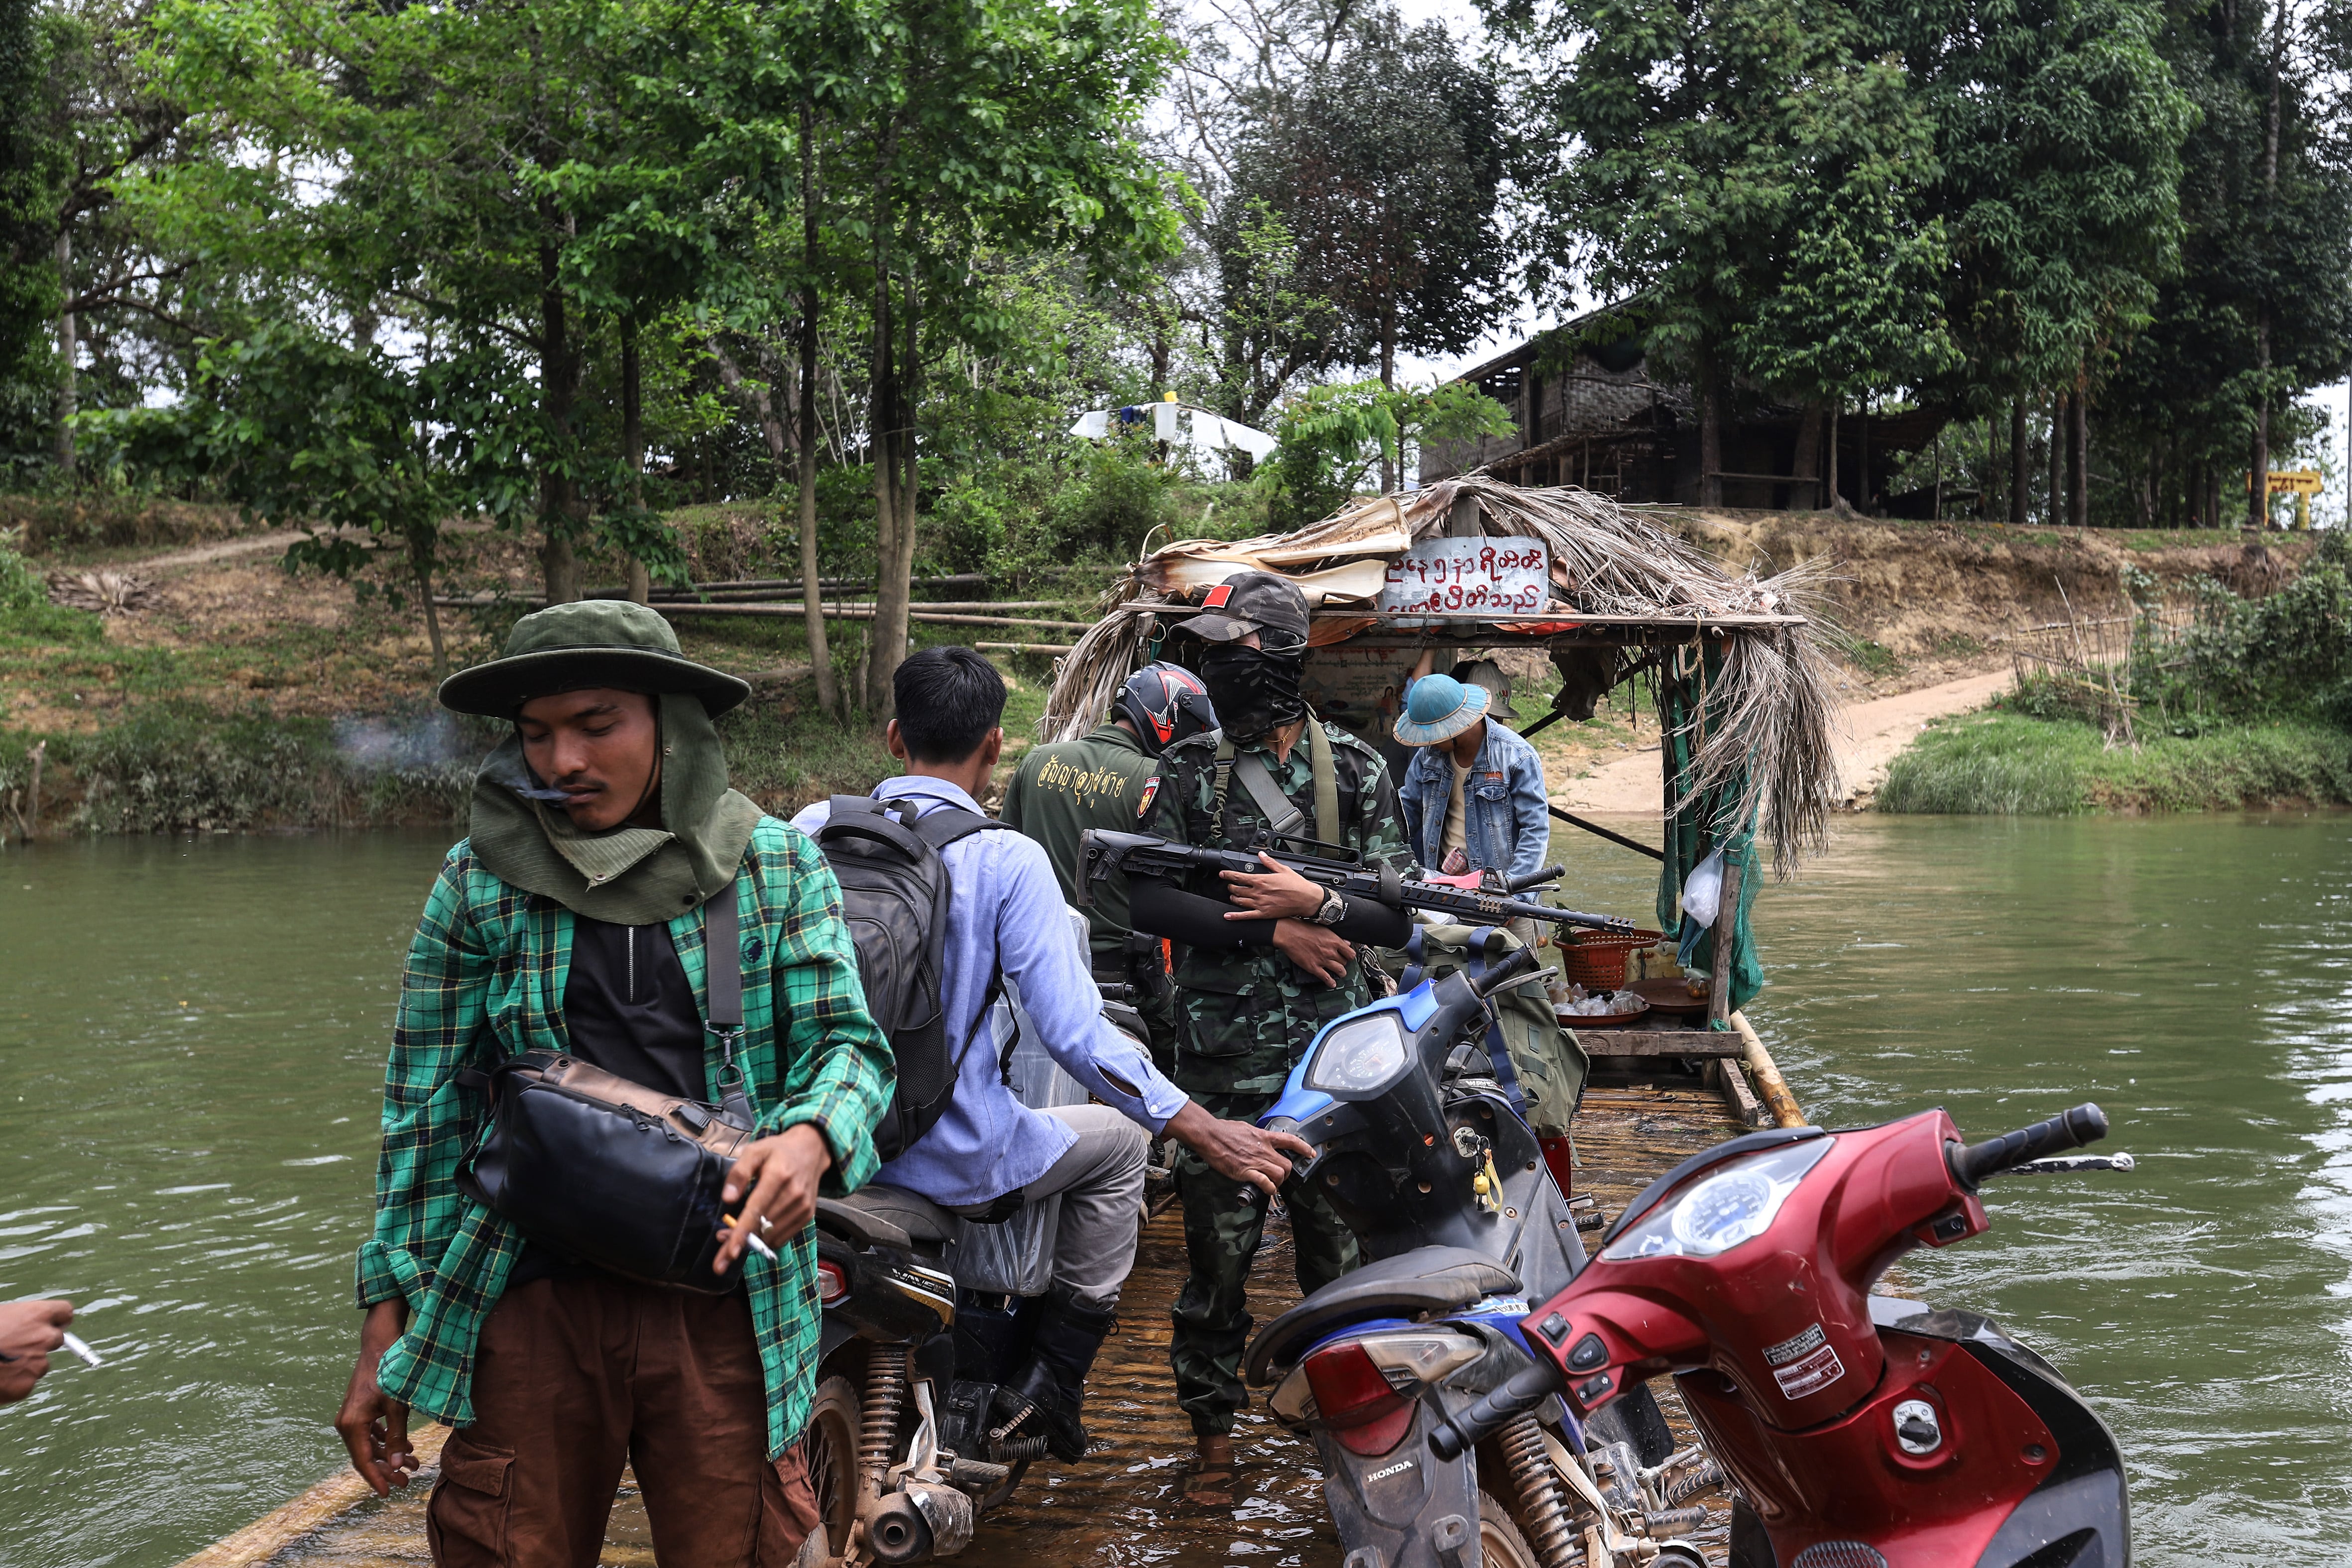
1627	596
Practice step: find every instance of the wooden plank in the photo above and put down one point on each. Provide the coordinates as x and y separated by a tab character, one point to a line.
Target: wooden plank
1697	1043
323	1504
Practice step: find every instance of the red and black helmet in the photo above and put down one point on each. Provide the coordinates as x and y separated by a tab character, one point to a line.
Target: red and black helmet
1165	703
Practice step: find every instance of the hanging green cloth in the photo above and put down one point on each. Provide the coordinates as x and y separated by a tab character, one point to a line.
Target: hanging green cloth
1693	832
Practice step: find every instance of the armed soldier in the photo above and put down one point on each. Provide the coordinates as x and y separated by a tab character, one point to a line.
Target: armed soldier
1105	781
1265	961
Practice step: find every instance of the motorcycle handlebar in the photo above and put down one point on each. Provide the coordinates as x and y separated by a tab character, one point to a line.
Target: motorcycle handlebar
1450	1439
1972	1163
1518	965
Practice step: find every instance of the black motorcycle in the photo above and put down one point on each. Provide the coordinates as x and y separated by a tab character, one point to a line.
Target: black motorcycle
1419	1148
907	1446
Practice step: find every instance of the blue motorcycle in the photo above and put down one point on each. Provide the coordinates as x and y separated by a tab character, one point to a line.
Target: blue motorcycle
1421	1148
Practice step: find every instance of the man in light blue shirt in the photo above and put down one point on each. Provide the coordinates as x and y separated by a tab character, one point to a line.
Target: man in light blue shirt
1006	915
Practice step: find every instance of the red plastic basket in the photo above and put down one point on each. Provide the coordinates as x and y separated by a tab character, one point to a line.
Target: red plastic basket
1596	959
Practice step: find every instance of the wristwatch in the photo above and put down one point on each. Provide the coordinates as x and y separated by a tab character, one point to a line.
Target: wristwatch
1334	910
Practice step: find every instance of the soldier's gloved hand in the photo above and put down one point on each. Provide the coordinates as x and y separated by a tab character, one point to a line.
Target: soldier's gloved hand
1318	950
1280	892
1237	1149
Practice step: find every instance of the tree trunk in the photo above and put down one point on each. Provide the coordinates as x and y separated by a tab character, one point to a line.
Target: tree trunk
828	696
1804	463
1862	457
895	484
2078	460
633	442
559	567
1710	429
1390	460
2057	458
68	351
2020	479
421	542
1837	417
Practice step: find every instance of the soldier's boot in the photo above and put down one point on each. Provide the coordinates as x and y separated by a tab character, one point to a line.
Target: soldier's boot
1559	1158
1044	1397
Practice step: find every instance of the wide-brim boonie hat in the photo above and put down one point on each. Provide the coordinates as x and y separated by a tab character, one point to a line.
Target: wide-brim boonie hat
593	642
1438	709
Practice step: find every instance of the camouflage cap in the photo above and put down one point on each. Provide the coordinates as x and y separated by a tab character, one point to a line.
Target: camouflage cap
1261	602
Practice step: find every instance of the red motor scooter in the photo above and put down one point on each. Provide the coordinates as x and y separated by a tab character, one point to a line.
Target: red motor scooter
1862	1431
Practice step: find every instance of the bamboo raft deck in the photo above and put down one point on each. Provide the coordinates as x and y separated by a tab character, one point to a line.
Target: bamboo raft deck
1644	1113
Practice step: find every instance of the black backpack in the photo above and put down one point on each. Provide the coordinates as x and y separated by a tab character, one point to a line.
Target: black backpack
893	893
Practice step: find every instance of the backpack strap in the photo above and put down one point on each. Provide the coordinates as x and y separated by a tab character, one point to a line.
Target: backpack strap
722	979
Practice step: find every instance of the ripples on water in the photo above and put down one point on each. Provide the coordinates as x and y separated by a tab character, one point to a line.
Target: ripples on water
197	1031
192	1039
2190	974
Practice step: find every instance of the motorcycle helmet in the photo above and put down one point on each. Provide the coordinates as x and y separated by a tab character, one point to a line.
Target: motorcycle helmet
1165	703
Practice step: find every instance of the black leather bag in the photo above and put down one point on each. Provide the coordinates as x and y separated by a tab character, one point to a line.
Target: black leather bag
607	1170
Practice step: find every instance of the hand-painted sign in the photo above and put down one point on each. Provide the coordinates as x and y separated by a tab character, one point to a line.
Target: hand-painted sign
1502	578
2295	482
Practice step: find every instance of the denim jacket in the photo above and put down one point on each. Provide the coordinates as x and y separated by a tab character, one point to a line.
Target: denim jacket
1505	819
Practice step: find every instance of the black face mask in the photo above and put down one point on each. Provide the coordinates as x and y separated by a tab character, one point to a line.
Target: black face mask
1253	690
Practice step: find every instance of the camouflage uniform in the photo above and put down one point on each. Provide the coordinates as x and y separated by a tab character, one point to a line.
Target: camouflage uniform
1246	1016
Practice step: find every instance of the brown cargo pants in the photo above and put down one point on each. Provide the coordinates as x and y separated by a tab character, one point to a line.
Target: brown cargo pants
574	1379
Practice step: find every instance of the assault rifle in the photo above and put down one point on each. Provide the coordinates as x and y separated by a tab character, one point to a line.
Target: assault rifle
1101	852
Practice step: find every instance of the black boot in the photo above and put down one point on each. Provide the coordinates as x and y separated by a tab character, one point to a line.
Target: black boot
1043	1399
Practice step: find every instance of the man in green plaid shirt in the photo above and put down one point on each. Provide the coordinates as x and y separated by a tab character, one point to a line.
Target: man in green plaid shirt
572	919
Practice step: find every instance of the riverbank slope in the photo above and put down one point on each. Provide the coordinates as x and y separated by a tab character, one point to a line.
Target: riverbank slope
224	694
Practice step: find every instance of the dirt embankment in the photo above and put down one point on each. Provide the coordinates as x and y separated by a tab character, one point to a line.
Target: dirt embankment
1922	602
1921	612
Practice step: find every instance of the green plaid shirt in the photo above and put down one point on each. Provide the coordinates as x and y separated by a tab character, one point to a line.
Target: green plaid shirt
485	981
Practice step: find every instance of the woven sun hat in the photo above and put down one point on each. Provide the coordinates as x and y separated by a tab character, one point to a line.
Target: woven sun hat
1488	673
1437	708
589	644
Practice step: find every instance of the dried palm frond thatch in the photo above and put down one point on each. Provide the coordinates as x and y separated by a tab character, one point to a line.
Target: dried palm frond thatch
108	592
1767	711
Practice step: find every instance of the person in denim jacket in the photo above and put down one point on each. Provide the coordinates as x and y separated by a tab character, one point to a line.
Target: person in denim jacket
1474	792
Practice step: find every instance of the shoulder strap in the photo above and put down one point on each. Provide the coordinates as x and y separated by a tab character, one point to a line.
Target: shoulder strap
940	828
1256	773
1319	762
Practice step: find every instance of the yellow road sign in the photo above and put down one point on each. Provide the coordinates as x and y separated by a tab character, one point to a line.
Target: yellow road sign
2295	482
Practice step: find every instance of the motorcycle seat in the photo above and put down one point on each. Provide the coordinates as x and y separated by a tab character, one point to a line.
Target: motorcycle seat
1426	1279
878	1216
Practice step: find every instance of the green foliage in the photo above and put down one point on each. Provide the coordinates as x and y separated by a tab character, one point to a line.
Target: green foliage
34	163
1331	436
2289	652
2007	764
1386	165
25	612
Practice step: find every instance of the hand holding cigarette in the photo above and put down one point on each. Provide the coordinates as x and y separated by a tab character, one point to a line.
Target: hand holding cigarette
28	1331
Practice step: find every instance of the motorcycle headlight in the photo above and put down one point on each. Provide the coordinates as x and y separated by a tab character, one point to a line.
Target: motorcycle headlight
1735	1203
1359	1055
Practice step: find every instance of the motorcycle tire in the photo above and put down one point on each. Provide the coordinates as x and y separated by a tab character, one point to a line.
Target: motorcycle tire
832	1449
1750	1547
1500	1544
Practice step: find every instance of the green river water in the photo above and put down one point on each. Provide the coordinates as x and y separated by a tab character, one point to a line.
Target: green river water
192	1033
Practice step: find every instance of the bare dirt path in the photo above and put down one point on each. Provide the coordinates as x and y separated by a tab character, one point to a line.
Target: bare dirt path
1870	735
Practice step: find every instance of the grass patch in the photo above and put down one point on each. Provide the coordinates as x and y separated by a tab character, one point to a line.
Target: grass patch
2006	764
181	768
